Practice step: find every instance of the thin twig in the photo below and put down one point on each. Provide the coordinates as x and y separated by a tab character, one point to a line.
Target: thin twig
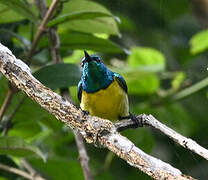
42	7
190	90
18	172
28	167
83	156
41	29
10	117
108	160
32	171
106	164
200	7
149	120
54	45
6	103
95	130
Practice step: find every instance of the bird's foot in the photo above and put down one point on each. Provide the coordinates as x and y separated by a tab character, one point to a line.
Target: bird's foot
85	113
137	120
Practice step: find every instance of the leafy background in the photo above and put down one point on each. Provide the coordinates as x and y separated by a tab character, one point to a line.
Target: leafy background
160	49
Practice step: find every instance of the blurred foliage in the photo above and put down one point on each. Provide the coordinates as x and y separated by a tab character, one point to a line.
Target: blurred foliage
199	42
16	146
66	75
160	49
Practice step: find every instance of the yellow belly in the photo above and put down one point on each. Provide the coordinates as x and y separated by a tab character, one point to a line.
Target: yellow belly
109	103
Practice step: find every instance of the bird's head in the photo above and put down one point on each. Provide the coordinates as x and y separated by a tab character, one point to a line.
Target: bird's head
95	75
92	62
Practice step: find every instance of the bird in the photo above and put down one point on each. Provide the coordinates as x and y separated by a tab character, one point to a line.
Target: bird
102	92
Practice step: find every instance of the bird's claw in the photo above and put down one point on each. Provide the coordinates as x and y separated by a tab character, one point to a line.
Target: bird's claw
137	121
85	113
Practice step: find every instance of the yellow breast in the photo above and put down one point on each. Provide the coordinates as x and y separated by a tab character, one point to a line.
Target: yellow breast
109	103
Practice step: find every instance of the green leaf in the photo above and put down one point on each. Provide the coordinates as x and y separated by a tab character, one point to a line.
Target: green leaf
106	25
25	129
77	16
59	75
178	79
9	162
177	117
2	178
54	168
49	2
11	16
24	118
15	146
142	83
199	42
76	6
127	25
75	57
20	8
25	30
25	42
191	90
73	93
88	42
142	139
146	59
139	80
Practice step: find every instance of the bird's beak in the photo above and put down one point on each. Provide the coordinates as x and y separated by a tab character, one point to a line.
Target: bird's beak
87	56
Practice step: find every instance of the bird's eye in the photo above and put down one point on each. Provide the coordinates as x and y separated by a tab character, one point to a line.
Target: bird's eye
97	59
82	64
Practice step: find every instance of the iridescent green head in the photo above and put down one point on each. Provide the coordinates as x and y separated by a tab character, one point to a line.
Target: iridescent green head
95	75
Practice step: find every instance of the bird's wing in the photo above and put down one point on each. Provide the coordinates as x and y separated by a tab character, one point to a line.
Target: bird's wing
121	82
79	91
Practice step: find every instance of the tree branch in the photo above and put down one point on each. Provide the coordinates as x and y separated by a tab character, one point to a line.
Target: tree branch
9	118
149	120
19	172
41	29
33	173
93	129
83	156
6	103
8	98
200	8
190	90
